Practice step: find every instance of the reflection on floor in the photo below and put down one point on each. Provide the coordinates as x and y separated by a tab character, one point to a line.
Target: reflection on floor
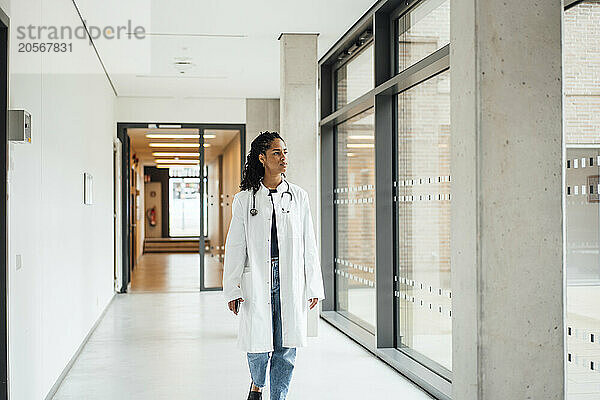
181	346
213	270
167	272
174	272
583	317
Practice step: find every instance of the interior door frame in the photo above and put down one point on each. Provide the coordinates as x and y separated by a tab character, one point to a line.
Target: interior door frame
125	201
4	49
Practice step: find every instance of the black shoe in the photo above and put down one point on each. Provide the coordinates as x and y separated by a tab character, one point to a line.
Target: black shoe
254	395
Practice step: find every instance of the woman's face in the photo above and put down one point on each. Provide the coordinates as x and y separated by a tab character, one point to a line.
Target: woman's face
275	159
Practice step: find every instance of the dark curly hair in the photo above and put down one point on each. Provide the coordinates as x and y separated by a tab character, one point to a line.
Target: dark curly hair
254	171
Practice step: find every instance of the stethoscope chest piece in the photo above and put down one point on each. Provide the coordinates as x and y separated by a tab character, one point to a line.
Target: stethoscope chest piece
254	211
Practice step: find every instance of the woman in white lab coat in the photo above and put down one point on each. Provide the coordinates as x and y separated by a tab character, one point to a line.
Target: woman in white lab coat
272	266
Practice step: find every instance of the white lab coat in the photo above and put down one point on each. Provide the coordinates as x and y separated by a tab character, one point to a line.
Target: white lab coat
247	271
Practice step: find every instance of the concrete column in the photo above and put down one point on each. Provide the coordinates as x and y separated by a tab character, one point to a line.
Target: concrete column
507	226
298	112
261	115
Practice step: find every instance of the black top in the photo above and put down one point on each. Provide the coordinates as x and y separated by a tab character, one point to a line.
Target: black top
274	243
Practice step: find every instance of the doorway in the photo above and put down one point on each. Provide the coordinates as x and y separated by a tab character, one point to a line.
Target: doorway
4	24
178	181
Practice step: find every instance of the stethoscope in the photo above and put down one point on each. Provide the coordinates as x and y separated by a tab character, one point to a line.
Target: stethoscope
254	211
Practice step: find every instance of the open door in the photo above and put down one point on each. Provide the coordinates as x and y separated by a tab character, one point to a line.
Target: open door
117	215
221	165
4	23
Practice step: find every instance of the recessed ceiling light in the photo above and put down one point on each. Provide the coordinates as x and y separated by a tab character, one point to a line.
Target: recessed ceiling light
367	137
167	154
173	161
171	144
360	145
171	136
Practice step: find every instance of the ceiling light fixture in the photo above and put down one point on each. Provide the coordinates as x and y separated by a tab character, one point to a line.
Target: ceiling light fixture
361	145
171	144
367	137
163	154
174	161
171	136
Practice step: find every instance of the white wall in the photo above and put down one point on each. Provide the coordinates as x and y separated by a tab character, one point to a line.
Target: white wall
191	110
67	247
5	6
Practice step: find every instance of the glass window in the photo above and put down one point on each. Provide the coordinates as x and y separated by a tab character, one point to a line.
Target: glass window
581	35
583	271
354	203
423	230
422	31
184	207
355	78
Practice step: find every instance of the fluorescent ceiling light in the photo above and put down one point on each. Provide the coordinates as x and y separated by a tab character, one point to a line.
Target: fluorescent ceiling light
361	145
163	154
171	144
367	137
350	154
209	136
173	161
169	126
171	136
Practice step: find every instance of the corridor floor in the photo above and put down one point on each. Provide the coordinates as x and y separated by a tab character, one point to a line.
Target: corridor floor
181	346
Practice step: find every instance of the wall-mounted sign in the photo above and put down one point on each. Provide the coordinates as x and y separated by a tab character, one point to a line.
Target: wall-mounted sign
88	185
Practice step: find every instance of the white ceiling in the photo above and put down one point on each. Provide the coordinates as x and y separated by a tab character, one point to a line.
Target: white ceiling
242	64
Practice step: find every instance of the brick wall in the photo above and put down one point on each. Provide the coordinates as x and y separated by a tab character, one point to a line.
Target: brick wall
582	72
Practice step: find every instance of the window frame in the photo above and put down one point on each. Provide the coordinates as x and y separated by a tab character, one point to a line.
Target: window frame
381	20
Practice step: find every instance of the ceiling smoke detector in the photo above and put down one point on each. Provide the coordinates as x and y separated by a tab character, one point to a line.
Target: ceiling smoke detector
183	62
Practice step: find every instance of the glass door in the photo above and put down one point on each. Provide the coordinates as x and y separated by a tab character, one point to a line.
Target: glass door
221	165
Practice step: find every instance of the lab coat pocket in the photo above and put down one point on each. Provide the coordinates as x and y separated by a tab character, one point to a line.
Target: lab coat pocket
246	286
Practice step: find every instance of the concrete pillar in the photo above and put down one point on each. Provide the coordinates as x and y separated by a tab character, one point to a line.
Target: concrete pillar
507	228
261	115
298	113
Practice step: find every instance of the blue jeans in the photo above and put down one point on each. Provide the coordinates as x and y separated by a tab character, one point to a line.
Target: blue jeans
282	358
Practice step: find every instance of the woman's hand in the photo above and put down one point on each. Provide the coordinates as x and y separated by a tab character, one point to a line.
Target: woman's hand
231	305
313	302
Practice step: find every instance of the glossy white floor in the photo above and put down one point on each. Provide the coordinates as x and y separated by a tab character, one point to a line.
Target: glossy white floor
182	346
